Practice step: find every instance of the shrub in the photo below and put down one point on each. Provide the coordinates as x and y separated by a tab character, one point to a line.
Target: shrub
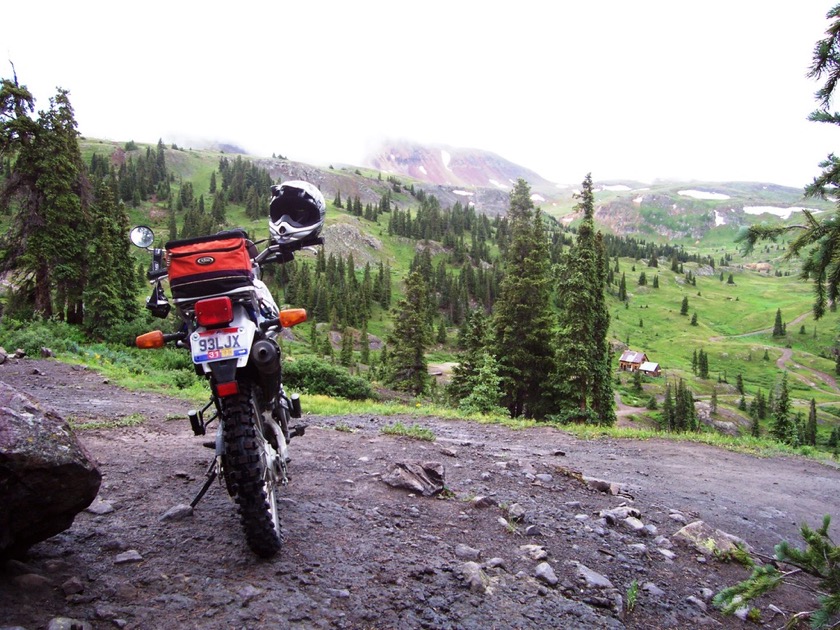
317	377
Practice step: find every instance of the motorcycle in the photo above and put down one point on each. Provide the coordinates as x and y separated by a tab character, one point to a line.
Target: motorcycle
230	324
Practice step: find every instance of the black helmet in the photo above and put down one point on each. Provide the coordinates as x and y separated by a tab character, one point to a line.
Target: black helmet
296	212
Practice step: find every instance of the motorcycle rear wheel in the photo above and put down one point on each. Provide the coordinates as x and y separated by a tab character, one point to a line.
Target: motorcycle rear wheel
248	473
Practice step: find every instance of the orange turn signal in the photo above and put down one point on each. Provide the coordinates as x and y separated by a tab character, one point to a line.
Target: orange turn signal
292	317
148	340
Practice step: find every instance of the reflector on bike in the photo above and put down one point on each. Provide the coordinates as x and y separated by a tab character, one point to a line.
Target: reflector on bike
148	340
292	316
227	389
214	312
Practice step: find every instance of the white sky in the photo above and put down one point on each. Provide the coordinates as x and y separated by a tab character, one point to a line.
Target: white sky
637	90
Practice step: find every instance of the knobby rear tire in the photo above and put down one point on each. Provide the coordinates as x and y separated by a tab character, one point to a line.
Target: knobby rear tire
244	466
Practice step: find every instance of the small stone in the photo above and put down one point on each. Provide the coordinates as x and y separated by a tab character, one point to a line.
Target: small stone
494	563
449	452
592	578
633	524
535	552
132	555
177	512
65	623
707	594
670	555
649	530
679	518
546	574
545	478
73	586
473	577
516	512
639	549
652	589
465	552
698	603
248	593
573	505
100	507
341	593
533	530
663	542
483	502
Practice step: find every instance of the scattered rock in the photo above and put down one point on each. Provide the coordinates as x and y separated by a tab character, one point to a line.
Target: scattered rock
696	602
100	507
535	552
653	589
544	573
132	555
602	485
483	502
709	541
592	578
66	623
425	478
516	513
465	552
177	512
73	586
473	577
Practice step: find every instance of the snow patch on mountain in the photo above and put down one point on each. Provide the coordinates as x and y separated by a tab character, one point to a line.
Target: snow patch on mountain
703	194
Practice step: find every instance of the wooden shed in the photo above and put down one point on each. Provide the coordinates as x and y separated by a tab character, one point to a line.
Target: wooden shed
631	360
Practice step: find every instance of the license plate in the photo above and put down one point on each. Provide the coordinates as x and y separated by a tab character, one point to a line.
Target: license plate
219	344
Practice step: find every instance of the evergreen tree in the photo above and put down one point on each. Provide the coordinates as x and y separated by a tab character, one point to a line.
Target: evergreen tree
668	410
484	389
622	288
346	357
783	429
656	281
714	403
778	328
811	428
364	341
583	355
739	384
49	190
694	319
472	340
523	321
407	367
684	306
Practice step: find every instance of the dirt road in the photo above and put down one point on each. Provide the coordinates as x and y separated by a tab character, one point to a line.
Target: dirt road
361	554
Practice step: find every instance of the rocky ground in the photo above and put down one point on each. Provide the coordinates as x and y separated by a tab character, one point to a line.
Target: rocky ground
519	539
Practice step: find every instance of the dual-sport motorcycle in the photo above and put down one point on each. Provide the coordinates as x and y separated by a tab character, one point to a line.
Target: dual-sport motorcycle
230	323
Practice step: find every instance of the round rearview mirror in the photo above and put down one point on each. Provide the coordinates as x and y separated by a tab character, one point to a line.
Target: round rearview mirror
142	236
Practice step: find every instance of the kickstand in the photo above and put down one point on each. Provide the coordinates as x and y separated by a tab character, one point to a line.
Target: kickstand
211	475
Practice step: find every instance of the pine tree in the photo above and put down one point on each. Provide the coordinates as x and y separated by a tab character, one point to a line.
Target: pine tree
656	281
346	357
407	367
811	428
484	389
684	306
668	410
473	341
784	429
714	403
694	319
739	384
622	288
523	322
778	328
583	356
49	190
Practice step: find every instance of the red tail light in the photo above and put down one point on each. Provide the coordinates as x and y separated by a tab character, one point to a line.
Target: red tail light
214	312
227	389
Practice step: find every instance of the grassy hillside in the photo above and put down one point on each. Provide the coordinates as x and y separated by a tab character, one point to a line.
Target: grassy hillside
734	320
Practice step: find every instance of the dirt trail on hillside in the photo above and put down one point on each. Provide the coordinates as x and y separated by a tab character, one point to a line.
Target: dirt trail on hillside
361	554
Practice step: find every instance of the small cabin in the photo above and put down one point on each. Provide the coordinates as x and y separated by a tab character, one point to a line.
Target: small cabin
649	368
631	360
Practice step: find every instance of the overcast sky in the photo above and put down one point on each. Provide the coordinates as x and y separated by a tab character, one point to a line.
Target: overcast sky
634	90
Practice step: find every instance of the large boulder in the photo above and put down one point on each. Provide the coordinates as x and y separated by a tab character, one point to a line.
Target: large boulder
46	476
